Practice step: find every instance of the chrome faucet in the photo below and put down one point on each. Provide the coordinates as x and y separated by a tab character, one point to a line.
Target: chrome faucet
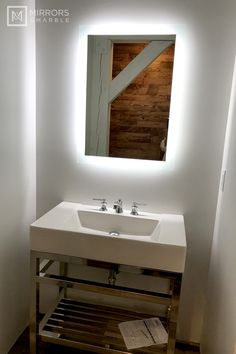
103	203
118	206
134	208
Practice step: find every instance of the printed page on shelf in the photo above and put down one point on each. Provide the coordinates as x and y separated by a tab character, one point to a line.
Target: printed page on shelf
143	333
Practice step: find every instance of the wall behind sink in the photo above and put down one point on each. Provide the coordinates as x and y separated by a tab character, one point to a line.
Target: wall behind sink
191	186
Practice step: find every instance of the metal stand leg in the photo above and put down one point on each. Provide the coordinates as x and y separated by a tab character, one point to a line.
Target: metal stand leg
63	272
174	314
34	304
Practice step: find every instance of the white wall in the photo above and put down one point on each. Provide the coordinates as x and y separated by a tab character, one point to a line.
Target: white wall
191	186
219	335
17	174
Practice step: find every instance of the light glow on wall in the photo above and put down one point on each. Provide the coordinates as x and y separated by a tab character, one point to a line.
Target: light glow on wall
29	121
177	98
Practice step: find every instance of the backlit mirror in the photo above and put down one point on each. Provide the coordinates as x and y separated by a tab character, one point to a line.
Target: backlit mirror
129	82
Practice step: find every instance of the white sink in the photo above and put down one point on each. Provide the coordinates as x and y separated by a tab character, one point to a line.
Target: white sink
148	240
112	223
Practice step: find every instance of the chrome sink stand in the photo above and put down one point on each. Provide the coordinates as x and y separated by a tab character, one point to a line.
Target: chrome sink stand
94	327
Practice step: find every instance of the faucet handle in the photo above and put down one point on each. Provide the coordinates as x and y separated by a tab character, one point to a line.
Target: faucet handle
103	202
134	208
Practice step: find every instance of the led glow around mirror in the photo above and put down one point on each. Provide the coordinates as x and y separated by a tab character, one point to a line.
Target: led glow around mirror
177	104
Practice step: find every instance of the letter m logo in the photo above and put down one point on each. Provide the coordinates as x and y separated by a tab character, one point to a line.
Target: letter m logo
16	15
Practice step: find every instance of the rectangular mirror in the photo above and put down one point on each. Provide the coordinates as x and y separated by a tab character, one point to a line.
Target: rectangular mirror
129	80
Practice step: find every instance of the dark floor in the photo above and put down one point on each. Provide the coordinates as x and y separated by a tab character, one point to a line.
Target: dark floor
22	347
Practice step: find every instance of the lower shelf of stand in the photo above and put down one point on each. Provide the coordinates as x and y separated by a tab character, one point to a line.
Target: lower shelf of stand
91	327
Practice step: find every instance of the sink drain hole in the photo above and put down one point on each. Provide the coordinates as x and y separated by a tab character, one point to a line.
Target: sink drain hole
114	233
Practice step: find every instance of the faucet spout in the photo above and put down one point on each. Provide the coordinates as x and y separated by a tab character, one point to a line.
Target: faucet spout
118	206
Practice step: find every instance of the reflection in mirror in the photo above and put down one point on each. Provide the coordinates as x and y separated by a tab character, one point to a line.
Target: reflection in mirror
128	95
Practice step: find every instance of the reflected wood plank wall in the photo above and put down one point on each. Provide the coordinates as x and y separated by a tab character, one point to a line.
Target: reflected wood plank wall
139	116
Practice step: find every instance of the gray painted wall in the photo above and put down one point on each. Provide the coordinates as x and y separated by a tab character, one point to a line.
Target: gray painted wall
219	334
17	173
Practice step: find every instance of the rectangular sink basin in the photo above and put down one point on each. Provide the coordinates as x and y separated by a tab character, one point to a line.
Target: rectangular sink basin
111	223
148	240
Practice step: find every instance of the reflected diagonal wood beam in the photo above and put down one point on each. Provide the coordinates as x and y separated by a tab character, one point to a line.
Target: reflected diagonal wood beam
136	66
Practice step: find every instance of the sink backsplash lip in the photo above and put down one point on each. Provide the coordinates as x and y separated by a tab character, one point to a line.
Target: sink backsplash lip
126	212
75	205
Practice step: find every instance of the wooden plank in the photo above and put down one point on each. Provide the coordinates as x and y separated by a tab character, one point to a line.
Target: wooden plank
138	64
143	107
